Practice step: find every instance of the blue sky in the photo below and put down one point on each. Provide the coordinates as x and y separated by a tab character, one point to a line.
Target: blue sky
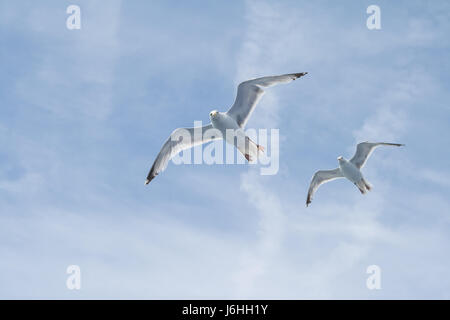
84	113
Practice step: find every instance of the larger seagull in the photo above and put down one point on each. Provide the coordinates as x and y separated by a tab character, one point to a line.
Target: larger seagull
348	169
248	95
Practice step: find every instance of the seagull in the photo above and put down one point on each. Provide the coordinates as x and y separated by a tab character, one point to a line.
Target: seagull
348	169
248	95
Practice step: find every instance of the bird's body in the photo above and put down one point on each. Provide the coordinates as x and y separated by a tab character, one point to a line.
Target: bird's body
234	134
230	124
349	169
222	121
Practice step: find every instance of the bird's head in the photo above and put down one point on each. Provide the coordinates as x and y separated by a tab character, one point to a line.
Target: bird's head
340	158
213	114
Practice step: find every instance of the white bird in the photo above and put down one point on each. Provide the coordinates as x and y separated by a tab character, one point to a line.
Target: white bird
348	169
248	95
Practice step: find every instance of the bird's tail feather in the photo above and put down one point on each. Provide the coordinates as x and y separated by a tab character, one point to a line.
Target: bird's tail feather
361	186
367	185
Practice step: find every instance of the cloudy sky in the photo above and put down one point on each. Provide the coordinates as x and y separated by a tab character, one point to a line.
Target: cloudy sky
83	114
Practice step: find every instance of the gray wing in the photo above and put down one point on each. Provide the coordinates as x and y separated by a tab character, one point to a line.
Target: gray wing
365	149
319	178
249	93
179	140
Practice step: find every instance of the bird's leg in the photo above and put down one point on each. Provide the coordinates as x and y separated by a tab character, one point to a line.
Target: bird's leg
258	147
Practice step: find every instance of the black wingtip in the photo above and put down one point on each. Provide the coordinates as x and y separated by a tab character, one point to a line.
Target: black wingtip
397	144
149	179
301	74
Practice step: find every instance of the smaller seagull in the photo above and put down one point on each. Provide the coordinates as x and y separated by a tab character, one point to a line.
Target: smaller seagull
348	169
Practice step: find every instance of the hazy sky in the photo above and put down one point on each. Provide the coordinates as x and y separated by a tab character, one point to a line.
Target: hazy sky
83	114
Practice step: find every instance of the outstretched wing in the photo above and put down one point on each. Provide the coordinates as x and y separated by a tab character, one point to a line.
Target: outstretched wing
180	139
249	93
319	178
364	150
